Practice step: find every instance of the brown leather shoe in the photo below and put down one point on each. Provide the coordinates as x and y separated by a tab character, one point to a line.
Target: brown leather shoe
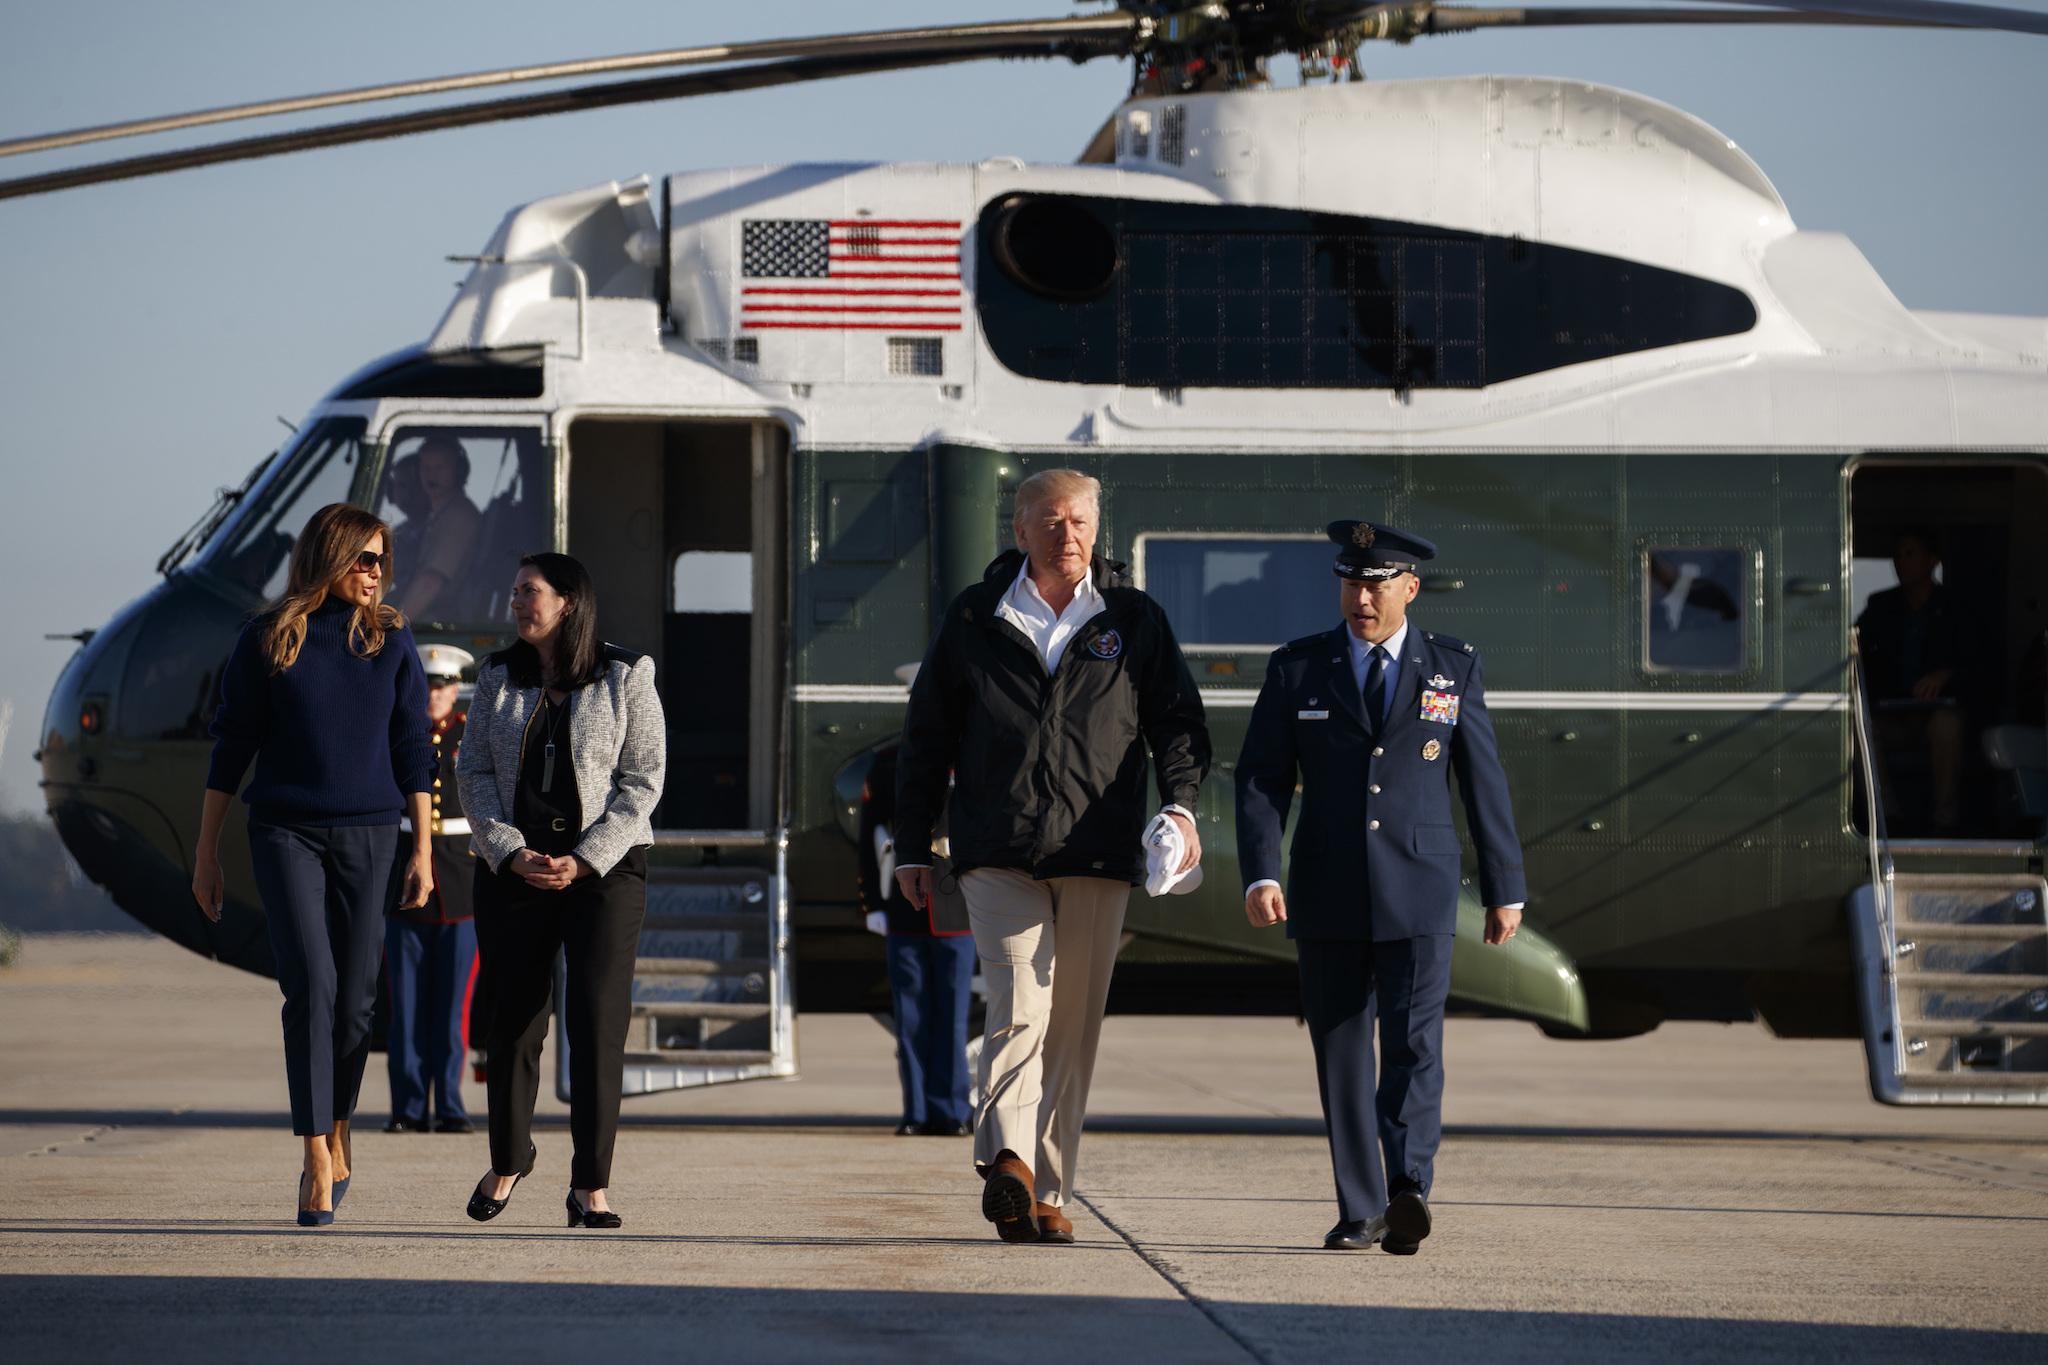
1052	1224
1006	1198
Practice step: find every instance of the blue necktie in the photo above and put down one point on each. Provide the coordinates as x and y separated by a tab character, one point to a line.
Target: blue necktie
1376	689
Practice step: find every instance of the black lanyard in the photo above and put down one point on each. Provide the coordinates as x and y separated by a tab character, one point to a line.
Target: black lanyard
552	716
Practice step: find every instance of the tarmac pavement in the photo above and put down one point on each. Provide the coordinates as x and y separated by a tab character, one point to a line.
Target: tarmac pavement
1702	1193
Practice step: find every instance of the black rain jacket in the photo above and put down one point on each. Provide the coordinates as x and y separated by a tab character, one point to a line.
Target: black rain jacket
1049	769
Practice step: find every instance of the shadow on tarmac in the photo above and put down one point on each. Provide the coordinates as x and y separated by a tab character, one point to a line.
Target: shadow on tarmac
234	1318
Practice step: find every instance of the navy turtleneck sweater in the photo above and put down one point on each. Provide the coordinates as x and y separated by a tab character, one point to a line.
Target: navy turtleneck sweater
337	739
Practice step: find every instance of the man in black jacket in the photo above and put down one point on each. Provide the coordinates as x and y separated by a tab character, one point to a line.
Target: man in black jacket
1045	686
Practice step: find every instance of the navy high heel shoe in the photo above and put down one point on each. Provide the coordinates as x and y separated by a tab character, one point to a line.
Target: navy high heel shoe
341	1189
482	1207
309	1218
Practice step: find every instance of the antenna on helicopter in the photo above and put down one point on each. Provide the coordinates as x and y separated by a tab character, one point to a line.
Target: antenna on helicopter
1179	45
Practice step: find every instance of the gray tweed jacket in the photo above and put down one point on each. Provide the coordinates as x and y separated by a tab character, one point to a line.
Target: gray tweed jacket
617	740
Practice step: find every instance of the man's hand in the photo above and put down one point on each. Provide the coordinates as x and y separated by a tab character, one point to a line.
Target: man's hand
1194	840
1501	923
916	885
1933	685
1265	906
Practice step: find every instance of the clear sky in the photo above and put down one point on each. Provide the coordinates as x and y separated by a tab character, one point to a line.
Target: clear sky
152	333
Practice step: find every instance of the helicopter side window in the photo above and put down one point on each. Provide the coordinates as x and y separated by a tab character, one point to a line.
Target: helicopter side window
254	548
1694	600
1237	592
463	504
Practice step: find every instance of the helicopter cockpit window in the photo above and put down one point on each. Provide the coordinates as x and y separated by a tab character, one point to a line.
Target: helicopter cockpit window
253	548
1237	592
1694	599
463	504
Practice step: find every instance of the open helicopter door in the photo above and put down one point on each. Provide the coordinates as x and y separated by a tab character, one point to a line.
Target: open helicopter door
682	526
1949	679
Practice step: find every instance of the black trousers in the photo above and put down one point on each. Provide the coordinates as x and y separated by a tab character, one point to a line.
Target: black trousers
323	893
595	923
1406	983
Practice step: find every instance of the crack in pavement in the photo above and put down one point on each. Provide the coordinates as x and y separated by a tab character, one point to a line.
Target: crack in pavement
1165	1271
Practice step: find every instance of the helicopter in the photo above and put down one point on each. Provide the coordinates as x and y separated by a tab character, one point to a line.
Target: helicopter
1674	436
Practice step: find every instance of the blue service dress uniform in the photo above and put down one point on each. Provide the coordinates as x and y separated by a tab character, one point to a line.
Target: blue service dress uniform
1372	890
430	962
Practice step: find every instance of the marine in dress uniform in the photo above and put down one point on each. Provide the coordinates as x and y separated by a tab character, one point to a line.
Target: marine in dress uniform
1370	719
430	957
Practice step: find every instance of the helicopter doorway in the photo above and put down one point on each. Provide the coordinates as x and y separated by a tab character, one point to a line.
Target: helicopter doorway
680	525
1948	589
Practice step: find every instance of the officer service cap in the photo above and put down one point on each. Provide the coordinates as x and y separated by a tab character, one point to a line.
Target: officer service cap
446	662
1369	550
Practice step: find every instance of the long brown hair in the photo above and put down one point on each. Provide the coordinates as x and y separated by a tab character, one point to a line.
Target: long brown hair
324	551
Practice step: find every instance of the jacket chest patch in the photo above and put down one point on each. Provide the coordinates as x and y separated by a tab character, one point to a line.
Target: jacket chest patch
1441	707
1107	645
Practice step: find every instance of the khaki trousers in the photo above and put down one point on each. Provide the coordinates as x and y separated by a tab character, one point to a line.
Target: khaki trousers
1047	949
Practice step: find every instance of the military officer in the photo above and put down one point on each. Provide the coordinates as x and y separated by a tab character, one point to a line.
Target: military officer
1370	718
430	957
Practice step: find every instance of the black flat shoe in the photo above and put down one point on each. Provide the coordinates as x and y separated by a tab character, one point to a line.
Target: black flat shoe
482	1207
454	1125
399	1125
1355	1234
1407	1223
947	1128
908	1129
580	1217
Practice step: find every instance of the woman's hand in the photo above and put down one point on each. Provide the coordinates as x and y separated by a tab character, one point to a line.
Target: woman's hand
209	887
419	879
552	874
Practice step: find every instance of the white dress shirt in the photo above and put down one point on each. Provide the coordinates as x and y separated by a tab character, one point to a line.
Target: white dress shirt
1361	670
1051	631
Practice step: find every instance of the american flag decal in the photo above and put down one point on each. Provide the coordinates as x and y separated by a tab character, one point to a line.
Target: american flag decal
820	274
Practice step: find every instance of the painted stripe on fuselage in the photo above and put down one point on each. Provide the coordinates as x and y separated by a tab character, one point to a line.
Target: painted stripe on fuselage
1240	698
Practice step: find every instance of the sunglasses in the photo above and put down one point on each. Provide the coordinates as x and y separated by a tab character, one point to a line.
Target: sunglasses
366	561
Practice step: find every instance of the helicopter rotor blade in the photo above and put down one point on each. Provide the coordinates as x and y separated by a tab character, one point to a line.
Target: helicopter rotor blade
952	38
1405	22
1936	12
682	85
1440	19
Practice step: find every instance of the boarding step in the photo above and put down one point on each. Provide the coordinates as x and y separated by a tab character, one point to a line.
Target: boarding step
707	1006
697	1009
1955	1006
729	1057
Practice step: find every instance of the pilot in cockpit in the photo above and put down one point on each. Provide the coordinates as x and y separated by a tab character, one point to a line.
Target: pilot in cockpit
433	581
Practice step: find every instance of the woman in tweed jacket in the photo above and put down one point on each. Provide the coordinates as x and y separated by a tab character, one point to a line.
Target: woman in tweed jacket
560	771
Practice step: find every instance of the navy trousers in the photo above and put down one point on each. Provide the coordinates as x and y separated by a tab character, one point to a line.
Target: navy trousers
323	896
930	983
428	968
1399	1121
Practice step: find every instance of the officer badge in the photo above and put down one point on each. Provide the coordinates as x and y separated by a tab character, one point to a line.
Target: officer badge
1107	645
1430	751
1440	682
1440	707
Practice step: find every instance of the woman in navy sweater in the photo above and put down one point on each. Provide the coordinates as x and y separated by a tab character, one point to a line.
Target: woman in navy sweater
324	691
